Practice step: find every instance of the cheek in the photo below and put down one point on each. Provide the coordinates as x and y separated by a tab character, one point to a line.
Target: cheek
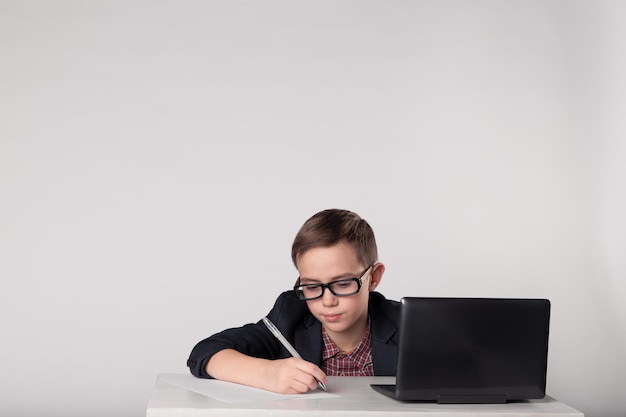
357	303
313	306
364	294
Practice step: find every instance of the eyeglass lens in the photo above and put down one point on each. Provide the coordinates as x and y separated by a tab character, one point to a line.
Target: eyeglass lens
339	288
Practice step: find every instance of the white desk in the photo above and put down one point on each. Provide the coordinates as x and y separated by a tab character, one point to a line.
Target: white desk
354	397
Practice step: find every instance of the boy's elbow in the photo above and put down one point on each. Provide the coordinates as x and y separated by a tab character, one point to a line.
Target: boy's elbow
198	369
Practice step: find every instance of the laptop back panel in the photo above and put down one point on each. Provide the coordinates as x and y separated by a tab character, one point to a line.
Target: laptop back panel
472	350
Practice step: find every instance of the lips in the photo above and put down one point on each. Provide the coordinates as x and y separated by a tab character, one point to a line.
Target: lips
332	317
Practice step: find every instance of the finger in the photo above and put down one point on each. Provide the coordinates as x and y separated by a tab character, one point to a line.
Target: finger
320	376
314	371
311	383
300	386
307	379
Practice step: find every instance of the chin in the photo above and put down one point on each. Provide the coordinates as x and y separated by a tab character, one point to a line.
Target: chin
337	327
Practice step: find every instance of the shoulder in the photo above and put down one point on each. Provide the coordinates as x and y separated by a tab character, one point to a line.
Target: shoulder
378	300
289	311
288	300
383	308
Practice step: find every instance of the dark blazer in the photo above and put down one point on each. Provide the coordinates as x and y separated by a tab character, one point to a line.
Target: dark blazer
293	318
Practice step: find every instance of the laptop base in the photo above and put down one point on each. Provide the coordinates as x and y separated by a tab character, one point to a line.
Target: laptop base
471	399
390	391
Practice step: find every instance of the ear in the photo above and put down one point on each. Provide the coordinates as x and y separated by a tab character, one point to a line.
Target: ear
376	275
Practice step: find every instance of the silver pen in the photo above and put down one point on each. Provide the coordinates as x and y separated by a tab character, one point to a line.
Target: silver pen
287	345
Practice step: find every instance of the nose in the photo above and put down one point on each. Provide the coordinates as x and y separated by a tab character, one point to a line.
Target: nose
328	298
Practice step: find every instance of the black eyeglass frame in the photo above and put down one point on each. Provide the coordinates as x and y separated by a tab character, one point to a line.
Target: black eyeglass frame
359	281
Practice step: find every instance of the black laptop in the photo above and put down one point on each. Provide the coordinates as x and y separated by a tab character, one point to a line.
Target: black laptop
471	350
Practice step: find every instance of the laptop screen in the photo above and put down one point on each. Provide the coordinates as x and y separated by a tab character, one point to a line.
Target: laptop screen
472	349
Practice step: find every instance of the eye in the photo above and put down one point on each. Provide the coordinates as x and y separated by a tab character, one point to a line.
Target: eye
311	286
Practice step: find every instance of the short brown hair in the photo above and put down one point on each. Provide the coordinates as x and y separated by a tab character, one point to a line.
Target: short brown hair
329	227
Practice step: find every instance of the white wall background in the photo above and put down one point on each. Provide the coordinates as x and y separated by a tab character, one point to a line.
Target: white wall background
157	158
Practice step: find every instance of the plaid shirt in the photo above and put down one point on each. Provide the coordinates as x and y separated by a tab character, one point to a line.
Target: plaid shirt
357	363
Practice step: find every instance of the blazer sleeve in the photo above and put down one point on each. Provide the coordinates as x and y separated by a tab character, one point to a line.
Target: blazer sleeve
252	339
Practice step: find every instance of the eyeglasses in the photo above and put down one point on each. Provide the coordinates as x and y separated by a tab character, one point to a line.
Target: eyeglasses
340	288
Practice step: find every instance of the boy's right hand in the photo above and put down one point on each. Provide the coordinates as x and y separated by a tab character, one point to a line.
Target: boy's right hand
285	376
292	376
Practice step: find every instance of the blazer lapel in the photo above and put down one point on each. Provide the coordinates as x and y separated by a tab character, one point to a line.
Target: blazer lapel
384	353
308	340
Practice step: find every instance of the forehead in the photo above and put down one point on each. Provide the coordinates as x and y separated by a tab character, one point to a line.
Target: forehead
329	262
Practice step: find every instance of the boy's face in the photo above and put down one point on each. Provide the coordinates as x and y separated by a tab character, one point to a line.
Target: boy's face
339	315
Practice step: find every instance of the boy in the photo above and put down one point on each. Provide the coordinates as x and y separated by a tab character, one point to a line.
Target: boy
333	317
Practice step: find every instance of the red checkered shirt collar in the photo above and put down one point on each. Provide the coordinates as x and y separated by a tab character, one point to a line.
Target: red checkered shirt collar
357	363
